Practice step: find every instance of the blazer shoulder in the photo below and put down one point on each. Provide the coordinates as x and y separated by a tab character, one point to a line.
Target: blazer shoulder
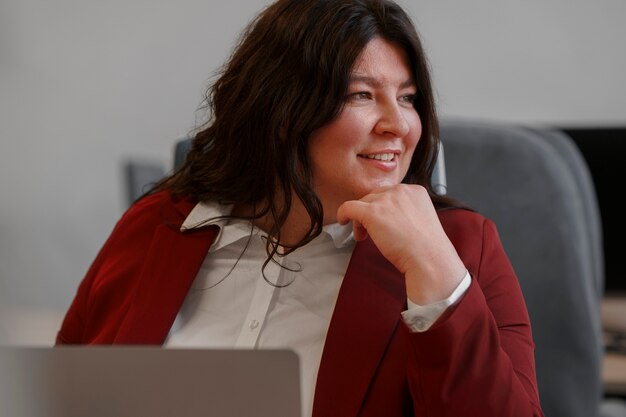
112	282
160	202
473	235
157	208
462	221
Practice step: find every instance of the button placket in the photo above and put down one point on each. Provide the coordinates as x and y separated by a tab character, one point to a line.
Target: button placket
257	312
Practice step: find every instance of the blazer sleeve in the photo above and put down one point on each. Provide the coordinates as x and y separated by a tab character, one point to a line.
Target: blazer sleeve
103	296
105	293
478	359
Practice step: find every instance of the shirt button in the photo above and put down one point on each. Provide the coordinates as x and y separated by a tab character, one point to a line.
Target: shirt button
253	324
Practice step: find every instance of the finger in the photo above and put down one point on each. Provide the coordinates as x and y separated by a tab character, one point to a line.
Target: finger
351	210
360	232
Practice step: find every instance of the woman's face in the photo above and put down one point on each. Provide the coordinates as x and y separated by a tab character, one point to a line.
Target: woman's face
371	142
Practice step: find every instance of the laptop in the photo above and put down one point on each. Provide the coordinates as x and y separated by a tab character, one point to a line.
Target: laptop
125	381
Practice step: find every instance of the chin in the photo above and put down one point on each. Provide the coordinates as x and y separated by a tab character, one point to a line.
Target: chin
386	182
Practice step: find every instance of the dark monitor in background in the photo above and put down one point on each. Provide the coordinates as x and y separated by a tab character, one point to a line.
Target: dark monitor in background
604	149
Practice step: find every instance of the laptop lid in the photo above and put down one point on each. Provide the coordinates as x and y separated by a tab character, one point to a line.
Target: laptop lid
120	381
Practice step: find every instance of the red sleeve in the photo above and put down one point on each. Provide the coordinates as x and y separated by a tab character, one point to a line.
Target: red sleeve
478	360
105	293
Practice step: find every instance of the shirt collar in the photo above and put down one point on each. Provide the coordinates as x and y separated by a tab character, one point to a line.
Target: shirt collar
341	234
207	214
211	213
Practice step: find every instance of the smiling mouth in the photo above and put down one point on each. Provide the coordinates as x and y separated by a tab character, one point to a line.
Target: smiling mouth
385	157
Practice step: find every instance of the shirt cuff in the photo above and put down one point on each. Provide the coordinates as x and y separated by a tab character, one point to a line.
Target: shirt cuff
420	318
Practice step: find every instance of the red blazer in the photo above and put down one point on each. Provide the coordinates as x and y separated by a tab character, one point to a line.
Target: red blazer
477	360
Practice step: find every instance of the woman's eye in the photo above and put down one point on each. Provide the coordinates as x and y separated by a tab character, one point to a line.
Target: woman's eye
408	98
360	95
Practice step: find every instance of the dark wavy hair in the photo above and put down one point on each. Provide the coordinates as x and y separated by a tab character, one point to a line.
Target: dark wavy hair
287	77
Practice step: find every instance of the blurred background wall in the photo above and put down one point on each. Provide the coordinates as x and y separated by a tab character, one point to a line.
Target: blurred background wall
87	85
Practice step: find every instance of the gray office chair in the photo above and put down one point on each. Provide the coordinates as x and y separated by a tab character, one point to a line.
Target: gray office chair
181	149
535	185
537	188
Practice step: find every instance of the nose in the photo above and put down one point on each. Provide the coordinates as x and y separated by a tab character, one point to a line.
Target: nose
391	121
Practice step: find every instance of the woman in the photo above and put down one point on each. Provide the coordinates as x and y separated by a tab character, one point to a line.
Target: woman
304	218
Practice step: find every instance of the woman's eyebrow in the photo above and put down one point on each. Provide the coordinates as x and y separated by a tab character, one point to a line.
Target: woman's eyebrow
376	83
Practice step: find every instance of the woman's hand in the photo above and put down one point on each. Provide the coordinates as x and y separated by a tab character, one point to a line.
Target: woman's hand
403	223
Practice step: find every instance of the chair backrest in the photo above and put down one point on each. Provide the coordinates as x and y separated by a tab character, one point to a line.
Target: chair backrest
537	188
181	149
139	176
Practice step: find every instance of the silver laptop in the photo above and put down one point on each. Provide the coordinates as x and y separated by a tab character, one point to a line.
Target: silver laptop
125	381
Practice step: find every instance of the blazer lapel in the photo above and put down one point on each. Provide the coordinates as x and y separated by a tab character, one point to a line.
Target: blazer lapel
371	298
172	262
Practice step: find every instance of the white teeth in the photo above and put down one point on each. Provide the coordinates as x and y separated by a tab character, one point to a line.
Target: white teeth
381	156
